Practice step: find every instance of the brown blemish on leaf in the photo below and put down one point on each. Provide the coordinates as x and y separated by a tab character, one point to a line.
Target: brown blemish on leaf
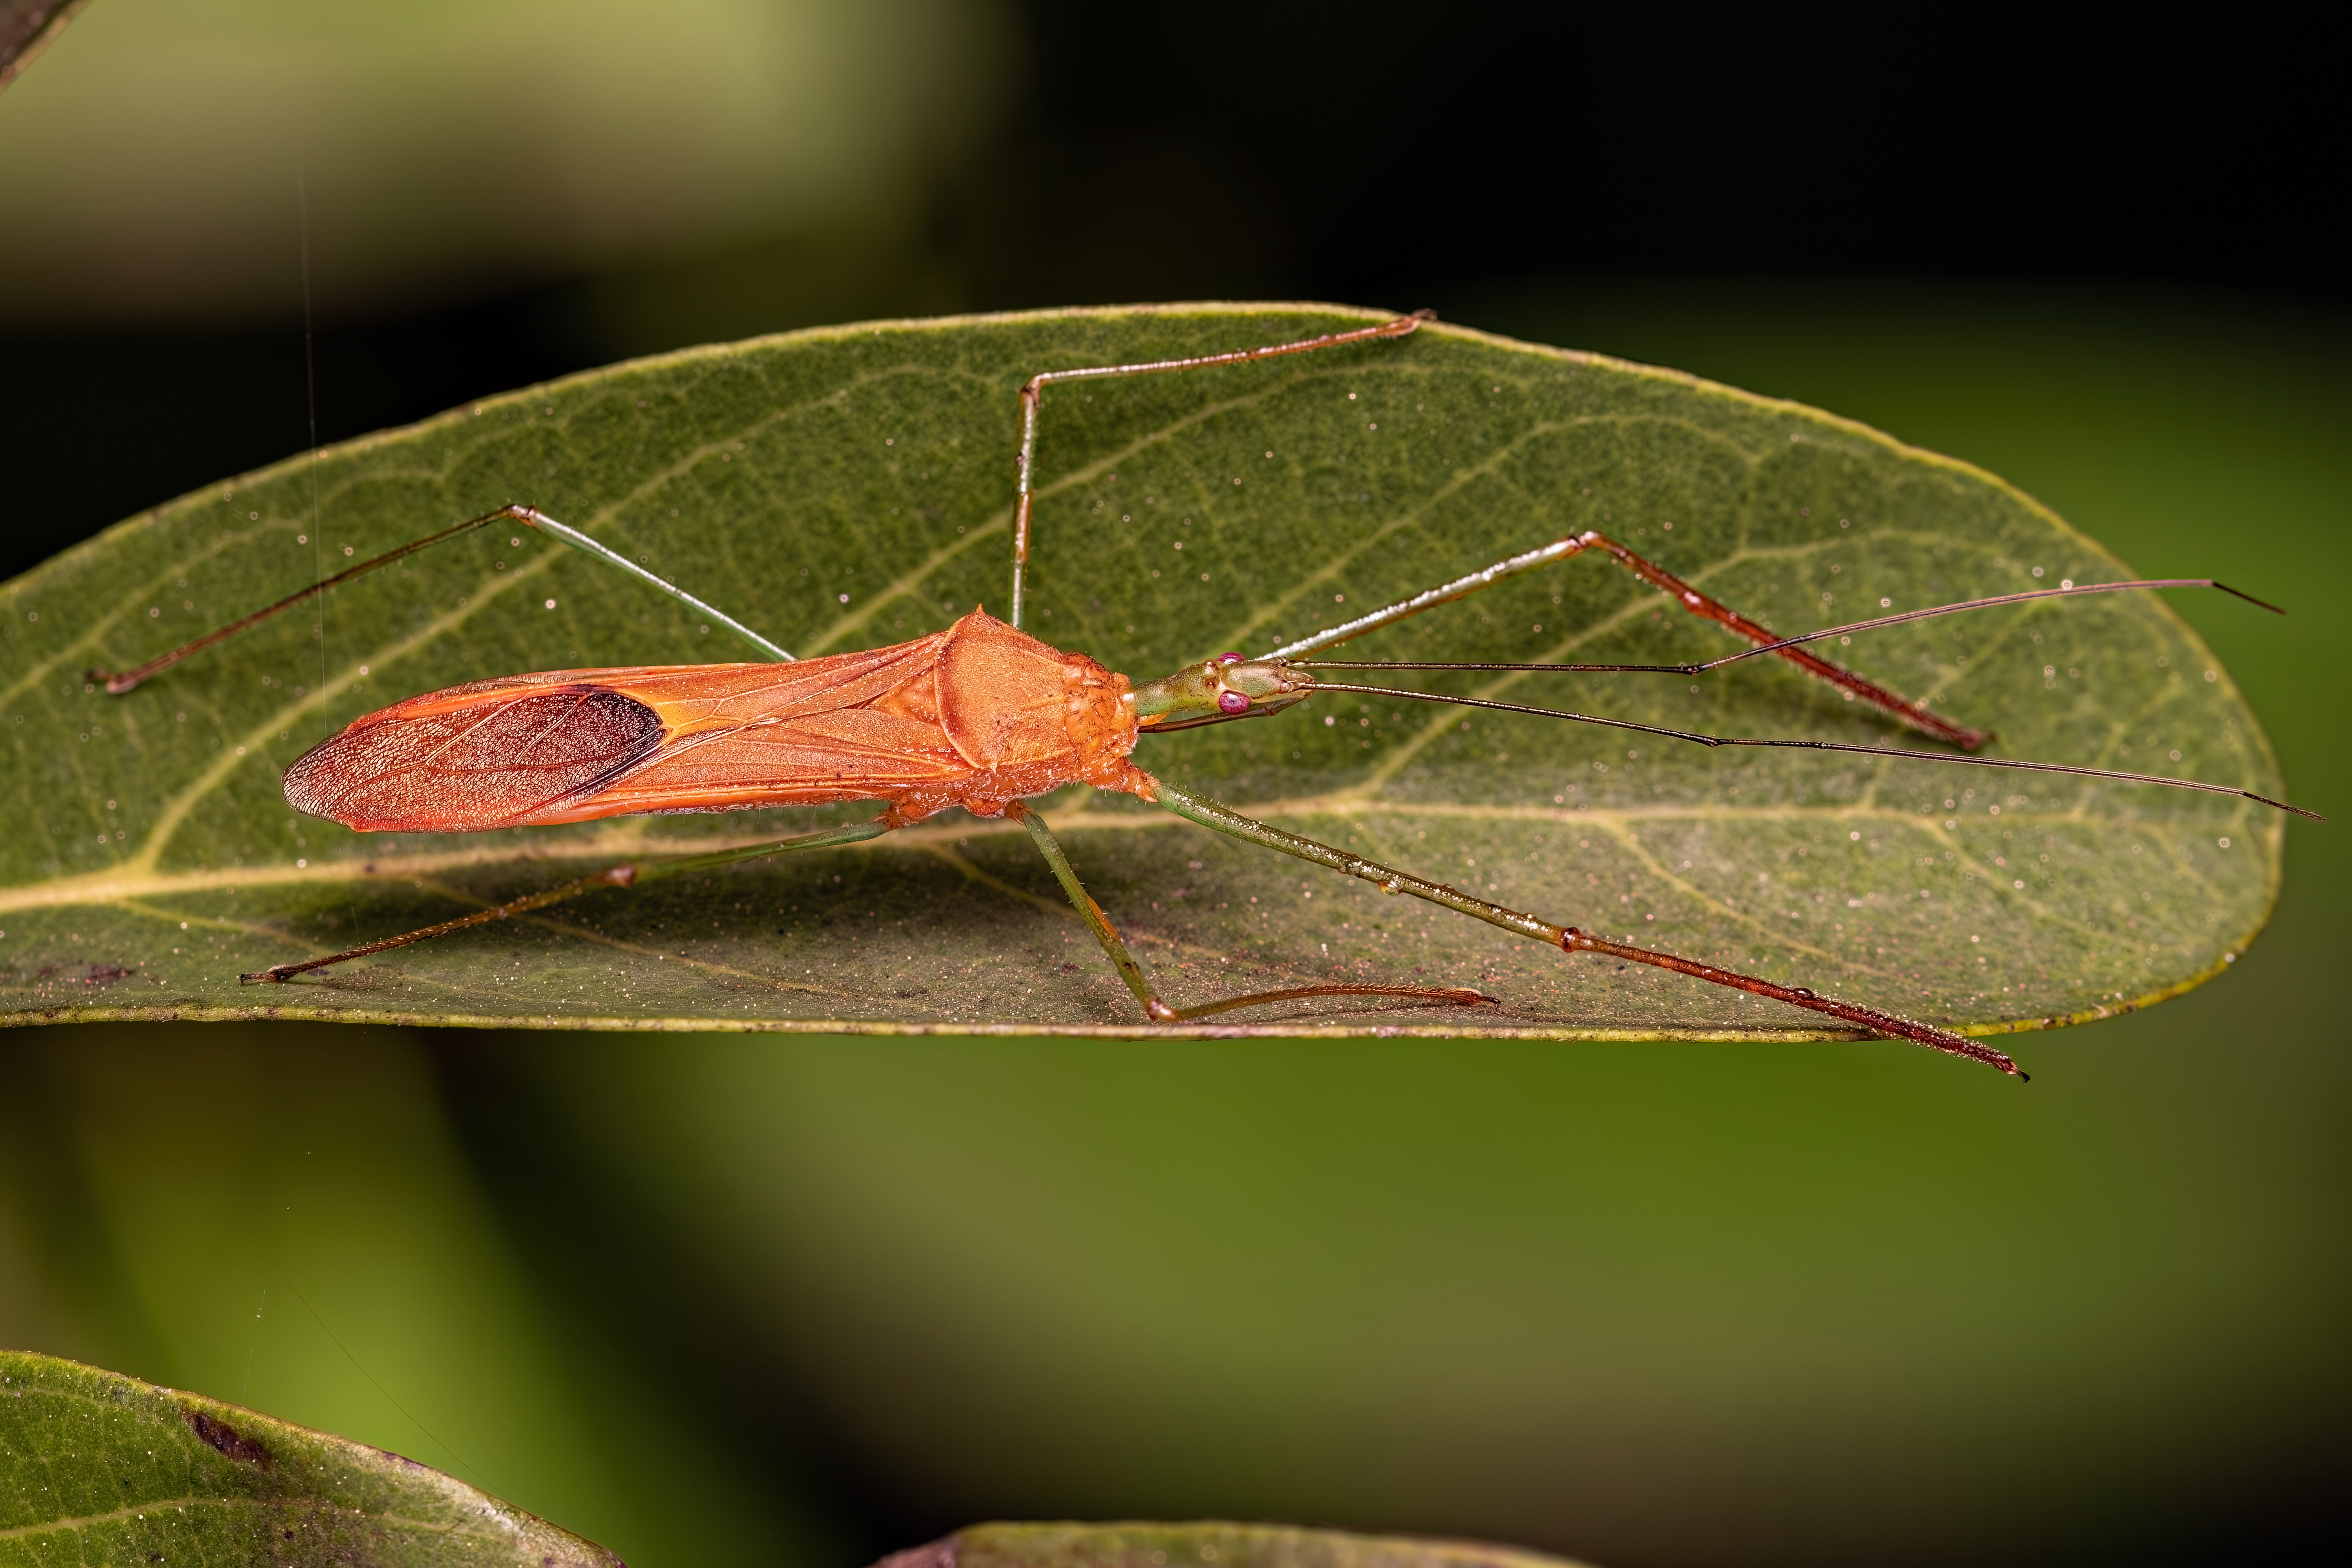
220	1434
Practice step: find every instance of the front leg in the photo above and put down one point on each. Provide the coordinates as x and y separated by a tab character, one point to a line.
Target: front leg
1761	638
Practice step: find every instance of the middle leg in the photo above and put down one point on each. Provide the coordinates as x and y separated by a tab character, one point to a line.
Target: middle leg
1033	393
1159	1012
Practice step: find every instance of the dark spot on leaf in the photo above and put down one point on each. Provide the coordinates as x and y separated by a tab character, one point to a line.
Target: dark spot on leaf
245	1450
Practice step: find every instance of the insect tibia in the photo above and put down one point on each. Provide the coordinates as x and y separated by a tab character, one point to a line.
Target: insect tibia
1764	639
1568	939
1217	689
1574	940
117	682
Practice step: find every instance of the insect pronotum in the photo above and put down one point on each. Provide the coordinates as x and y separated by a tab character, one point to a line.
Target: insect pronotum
984	716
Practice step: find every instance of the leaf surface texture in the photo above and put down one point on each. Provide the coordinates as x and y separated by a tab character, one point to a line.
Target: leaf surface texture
850	487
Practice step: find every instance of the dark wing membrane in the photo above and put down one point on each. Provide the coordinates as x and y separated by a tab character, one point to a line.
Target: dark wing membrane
503	757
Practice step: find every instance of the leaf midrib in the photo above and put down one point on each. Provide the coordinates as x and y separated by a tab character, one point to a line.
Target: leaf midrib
631	841
1619	823
128	1511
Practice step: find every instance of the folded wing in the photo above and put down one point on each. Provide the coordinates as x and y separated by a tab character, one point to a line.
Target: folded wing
576	745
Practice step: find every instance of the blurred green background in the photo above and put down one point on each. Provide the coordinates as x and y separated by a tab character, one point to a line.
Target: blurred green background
748	1299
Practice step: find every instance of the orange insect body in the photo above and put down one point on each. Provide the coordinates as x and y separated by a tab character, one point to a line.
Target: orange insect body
977	716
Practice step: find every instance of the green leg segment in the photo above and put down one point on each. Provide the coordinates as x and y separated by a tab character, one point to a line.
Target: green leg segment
1159	1012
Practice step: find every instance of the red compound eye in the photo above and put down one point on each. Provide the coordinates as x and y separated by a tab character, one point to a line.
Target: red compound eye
1229	659
1232	701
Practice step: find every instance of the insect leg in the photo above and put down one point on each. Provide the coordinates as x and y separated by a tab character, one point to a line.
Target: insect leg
1551	552
117	682
1032	393
532	517
1701	605
1568	939
1159	1012
629	874
1712	609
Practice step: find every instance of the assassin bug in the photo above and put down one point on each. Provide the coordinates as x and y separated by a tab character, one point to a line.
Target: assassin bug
984	716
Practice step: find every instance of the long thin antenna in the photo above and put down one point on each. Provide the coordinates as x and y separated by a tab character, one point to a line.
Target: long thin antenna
1846	630
311	399
1958	758
380	1388
252	1344
2067	592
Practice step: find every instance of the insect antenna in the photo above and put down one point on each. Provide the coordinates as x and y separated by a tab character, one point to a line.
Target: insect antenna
1903	753
1701	668
2068	590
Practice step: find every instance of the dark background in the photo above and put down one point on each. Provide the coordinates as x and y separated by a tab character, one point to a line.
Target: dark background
2076	253
1467	158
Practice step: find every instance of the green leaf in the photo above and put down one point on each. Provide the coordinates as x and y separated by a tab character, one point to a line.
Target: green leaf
99	1467
1192	1544
850	487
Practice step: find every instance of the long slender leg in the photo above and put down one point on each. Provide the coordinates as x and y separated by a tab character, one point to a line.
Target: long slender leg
534	518
117	682
1690	598
1568	939
1159	1012
629	874
1032	393
1804	658
1876	623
